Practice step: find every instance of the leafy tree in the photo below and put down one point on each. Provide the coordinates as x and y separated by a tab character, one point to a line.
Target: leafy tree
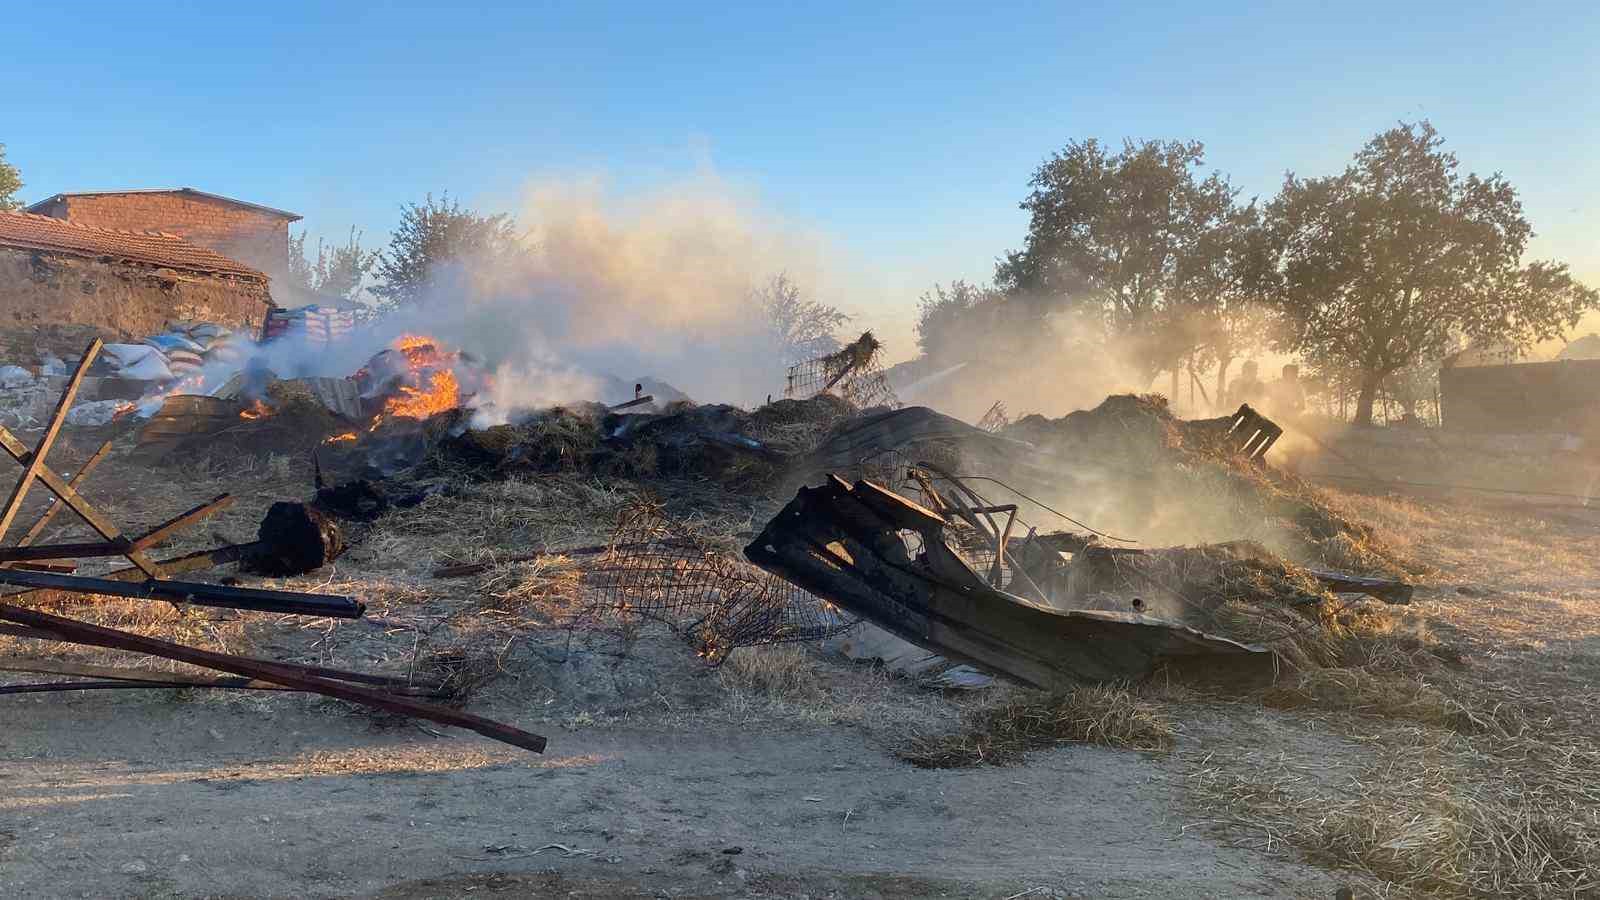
948	320
435	232
803	329
1225	285
1122	231
10	183
337	271
1398	256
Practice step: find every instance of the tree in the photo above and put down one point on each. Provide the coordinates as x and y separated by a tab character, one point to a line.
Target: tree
337	271
948	320
1400	255
1225	286
1121	231
10	183
435	232
803	329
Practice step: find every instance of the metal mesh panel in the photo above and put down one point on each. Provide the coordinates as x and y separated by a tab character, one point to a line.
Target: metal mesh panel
996	418
659	570
853	374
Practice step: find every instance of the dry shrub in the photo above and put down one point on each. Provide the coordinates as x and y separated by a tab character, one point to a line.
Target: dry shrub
1001	734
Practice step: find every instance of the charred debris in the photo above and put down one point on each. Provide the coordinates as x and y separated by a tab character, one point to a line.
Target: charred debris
293	537
891	526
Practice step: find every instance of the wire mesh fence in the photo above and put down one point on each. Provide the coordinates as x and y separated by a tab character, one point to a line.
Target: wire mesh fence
853	373
996	419
658	569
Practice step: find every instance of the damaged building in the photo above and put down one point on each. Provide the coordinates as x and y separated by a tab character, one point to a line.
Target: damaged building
255	235
63	282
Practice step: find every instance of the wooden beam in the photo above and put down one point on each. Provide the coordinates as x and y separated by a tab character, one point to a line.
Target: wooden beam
56	506
165	530
103	526
30	469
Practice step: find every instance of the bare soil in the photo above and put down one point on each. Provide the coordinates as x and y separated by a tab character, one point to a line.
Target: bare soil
770	777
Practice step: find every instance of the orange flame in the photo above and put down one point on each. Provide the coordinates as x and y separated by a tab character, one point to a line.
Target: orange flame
441	395
257	410
340	438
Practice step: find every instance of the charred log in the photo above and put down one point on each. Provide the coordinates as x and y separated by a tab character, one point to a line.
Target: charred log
294	539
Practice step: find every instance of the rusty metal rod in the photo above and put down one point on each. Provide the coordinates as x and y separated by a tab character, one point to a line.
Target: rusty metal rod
83	550
251	599
76	632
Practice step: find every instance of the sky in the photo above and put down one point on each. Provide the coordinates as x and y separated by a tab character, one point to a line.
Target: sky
900	136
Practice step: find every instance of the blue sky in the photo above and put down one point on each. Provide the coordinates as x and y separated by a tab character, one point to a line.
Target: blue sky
903	133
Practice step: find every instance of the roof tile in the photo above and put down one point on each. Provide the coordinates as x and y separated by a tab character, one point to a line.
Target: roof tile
34	232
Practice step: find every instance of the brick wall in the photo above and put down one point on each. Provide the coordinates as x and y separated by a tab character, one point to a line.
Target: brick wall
258	239
57	303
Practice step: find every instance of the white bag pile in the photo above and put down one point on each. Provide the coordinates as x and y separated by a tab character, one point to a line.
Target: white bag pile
183	349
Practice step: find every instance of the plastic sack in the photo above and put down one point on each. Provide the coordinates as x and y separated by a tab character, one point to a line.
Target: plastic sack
150	368
170	342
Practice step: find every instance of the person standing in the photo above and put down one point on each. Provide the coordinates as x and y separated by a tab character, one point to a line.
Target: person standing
1286	396
1247	388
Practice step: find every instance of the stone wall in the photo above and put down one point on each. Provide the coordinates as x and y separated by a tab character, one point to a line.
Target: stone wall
56	303
255	237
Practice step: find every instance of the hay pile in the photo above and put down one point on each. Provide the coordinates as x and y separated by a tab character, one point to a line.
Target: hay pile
722	443
1003	733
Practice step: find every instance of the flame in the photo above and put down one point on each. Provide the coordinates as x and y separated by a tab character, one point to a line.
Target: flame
257	410
436	389
442	394
340	438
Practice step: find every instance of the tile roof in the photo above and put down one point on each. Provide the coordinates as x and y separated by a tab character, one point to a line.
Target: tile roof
293	217
154	248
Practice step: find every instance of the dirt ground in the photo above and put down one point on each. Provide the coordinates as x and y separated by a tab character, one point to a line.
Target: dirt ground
772	776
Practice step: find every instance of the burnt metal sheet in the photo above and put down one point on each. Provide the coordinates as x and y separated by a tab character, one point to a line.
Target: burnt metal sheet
885	559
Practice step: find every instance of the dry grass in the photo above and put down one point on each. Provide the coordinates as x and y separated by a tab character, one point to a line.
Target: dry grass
1433	818
1002	733
781	675
795	684
1388	695
1481	778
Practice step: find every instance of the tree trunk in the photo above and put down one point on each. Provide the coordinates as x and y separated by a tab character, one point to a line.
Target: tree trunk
1221	404
1174	395
1369	392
